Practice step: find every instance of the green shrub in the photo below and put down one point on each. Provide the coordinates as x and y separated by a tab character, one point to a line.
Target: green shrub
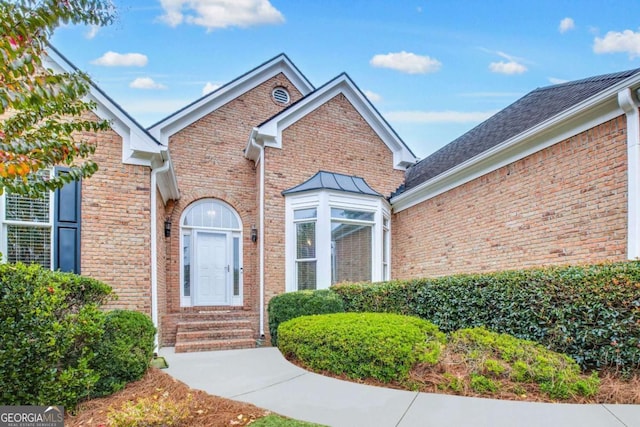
361	345
591	313
48	321
490	354
482	384
290	305
125	351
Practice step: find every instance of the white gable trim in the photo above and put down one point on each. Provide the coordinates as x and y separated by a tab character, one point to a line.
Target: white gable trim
270	132
138	147
211	102
581	117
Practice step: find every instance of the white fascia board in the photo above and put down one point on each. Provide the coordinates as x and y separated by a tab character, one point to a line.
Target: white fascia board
570	123
138	147
270	132
216	99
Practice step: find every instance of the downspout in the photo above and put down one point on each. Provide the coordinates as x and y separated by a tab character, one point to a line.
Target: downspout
166	164
261	241
630	107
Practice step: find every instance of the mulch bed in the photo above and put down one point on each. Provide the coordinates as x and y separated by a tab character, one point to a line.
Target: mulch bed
205	410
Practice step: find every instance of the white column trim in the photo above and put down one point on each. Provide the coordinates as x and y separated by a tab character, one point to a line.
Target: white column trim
629	105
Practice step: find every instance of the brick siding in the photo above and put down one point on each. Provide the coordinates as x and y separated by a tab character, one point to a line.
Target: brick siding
565	204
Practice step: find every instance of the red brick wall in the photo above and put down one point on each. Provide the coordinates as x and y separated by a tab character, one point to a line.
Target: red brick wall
209	163
563	205
115	225
334	138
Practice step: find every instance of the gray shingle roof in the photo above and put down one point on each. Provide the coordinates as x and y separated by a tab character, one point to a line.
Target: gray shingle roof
527	112
334	181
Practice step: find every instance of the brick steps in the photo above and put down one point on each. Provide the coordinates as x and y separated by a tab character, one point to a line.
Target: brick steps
214	330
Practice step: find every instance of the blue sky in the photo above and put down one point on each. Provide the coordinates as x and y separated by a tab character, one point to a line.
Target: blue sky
434	69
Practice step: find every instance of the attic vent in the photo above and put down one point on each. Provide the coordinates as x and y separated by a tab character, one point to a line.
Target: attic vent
280	95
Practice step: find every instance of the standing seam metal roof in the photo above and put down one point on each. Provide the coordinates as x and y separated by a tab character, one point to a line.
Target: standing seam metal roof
334	181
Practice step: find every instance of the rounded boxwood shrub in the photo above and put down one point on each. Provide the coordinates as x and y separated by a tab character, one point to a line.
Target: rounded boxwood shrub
125	351
48	323
290	305
361	345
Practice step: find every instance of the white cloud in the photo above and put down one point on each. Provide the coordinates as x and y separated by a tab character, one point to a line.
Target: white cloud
510	67
613	42
114	59
438	116
92	32
213	14
557	81
566	24
209	87
373	97
146	83
406	62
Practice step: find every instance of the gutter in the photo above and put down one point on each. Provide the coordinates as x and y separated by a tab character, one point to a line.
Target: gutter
166	165
629	105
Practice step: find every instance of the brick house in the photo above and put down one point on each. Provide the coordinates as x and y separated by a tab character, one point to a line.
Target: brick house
268	185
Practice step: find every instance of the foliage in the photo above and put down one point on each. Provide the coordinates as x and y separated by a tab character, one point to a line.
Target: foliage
273	420
156	411
591	313
361	345
125	351
41	112
493	356
287	306
48	320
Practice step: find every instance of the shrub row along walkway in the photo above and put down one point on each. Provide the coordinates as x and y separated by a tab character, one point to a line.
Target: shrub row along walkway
264	378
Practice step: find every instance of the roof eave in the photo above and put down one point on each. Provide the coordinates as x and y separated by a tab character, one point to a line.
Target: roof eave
454	177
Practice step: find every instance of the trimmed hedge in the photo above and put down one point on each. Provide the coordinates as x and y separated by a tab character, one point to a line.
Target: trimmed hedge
48	321
361	345
289	305
591	313
125	351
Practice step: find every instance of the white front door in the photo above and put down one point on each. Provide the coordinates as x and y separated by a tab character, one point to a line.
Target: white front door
211	269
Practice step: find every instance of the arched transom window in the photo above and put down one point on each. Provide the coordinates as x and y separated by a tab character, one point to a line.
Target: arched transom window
211	254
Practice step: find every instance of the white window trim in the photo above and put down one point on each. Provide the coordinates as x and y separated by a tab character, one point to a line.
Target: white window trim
323	201
3	229
235	300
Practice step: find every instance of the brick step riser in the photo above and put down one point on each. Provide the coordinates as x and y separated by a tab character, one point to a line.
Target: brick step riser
214	345
214	325
216	316
195	336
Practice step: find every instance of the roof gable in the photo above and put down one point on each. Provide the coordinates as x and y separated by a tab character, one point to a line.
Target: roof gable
269	133
221	96
139	147
529	112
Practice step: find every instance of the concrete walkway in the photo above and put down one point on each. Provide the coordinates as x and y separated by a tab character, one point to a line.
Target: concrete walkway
266	379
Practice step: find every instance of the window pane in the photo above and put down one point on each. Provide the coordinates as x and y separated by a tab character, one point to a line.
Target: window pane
21	208
305	213
306	271
236	266
186	265
30	245
348	214
211	214
351	254
306	240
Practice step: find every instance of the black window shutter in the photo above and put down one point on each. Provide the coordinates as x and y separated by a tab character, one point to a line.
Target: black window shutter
66	226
